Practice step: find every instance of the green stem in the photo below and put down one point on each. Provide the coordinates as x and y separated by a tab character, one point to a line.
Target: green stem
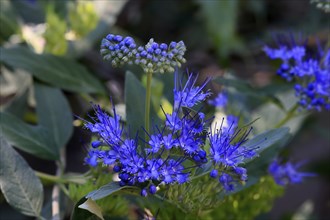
61	163
147	104
50	178
88	98
56	179
64	190
289	116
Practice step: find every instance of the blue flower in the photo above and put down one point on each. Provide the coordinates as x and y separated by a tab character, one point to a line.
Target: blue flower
227	152
287	173
144	193
227	181
183	130
278	53
186	132
92	158
133	167
220	101
311	74
214	173
224	149
152	189
173	148
109	128
189	94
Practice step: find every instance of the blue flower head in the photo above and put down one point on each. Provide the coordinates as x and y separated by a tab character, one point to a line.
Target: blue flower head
310	73
183	132
113	148
189	95
220	101
227	153
153	57
287	173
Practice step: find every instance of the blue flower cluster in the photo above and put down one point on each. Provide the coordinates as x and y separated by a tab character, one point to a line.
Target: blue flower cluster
220	101
312	74
153	57
173	149
287	173
227	152
182	132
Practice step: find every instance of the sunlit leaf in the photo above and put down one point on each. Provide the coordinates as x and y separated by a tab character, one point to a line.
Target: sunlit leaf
78	213
91	206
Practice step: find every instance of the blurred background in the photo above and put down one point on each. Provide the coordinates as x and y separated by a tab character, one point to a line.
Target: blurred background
221	36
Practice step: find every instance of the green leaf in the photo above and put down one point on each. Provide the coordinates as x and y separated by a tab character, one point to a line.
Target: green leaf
135	103
91	206
269	143
269	148
78	213
15	84
19	185
54	113
268	139
8	20
270	114
57	71
221	21
35	140
106	190
262	95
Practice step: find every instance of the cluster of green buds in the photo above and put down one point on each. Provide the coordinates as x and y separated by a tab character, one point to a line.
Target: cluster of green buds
152	57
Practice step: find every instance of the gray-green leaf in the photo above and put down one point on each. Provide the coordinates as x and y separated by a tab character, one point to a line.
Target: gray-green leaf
57	71
268	139
108	189
35	140
19	185
104	191
270	143
54	113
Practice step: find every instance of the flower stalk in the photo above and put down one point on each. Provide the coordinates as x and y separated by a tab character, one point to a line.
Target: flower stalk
147	104
288	117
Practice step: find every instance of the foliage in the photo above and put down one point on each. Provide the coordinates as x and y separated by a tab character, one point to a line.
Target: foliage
113	205
19	185
55	33
255	200
163	151
82	18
